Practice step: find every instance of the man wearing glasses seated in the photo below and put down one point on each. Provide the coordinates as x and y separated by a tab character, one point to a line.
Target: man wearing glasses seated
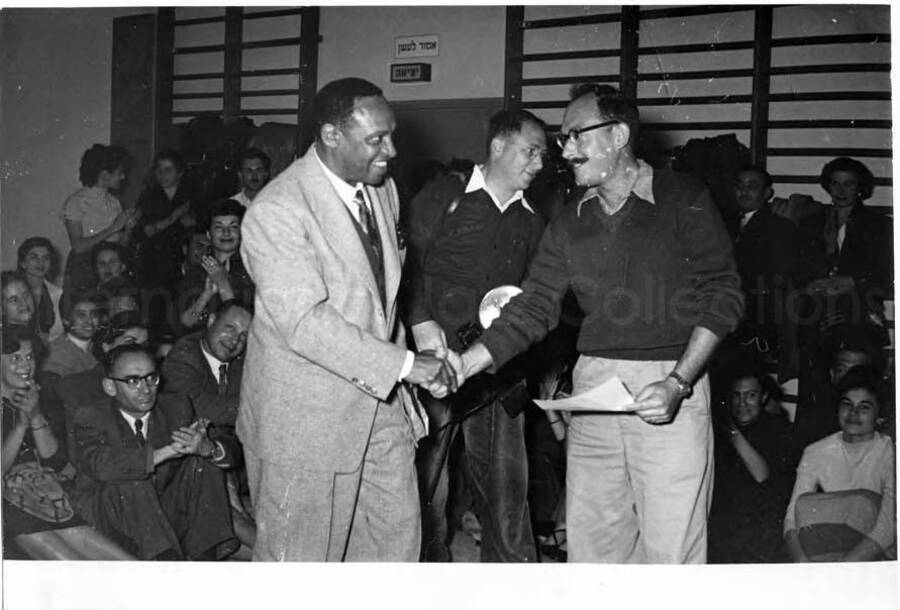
144	468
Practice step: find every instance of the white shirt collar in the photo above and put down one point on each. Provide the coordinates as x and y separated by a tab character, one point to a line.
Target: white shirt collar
746	216
131	419
477	182
214	363
346	192
84	344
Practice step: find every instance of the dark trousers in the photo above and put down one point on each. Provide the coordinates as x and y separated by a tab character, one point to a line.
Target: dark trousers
498	465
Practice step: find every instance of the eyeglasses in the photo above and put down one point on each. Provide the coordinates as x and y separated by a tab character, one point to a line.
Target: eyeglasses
534	152
134	381
573	134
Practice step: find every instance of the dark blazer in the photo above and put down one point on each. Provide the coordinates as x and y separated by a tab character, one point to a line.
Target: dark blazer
191	286
120	491
766	251
186	373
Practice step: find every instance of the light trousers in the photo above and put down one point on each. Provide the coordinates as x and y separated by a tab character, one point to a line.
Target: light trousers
371	514
638	492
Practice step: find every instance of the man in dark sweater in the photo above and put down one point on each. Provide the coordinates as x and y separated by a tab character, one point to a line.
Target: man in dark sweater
469	236
650	262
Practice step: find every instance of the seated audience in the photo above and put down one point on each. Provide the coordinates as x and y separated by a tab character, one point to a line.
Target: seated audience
38	261
143	467
206	368
848	346
109	261
73	351
38	518
754	468
221	275
166	218
843	505
18	308
253	169
93	214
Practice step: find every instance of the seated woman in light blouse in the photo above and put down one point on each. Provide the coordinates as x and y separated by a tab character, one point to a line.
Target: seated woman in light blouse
843	507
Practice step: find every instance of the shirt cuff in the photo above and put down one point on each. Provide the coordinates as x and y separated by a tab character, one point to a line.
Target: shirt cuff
407	365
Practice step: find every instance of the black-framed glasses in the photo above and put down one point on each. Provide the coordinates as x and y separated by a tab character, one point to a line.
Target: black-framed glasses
134	381
573	134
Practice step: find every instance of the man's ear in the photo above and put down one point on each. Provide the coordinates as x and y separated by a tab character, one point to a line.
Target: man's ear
109	387
498	143
621	135
210	319
770	192
330	135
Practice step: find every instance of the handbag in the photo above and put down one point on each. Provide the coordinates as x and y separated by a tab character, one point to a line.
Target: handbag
35	489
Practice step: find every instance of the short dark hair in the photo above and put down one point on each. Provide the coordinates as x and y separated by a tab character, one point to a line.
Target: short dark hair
99	158
113	356
254	153
9	276
225	207
866	377
118	324
509	122
755	168
334	103
169	154
755	371
112	246
13	336
846	164
70	299
228	304
39	242
612	105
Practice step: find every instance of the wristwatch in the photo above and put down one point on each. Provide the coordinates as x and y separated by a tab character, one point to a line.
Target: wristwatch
684	388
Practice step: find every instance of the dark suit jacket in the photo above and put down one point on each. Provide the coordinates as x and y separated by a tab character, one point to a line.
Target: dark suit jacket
766	252
186	373
121	492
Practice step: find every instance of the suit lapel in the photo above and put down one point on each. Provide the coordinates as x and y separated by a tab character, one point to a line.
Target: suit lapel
337	224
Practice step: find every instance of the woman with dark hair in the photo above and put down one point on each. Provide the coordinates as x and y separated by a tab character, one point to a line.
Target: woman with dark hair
846	247
93	214
17	313
166	209
37	513
38	261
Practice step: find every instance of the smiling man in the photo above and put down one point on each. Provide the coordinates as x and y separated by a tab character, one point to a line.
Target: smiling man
649	261
328	429
482	238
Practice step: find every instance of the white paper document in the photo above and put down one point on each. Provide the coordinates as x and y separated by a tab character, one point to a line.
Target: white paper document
611	395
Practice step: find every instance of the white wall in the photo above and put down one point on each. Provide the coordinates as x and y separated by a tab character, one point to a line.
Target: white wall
359	41
55	99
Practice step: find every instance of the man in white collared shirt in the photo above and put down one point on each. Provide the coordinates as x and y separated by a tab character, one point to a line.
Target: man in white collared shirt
484	239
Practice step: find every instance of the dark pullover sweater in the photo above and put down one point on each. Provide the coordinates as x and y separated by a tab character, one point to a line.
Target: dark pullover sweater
645	276
469	251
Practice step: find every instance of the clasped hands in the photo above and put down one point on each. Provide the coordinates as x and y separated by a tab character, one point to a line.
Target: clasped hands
193	439
440	371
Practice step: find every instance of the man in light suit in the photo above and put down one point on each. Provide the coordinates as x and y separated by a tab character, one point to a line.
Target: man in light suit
328	427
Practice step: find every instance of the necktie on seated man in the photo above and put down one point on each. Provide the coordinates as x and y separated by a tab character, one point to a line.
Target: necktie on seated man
139	431
223	379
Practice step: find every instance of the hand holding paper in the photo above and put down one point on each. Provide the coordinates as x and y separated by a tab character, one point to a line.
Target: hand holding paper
611	395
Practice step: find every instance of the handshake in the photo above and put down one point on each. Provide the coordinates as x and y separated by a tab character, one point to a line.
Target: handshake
439	369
